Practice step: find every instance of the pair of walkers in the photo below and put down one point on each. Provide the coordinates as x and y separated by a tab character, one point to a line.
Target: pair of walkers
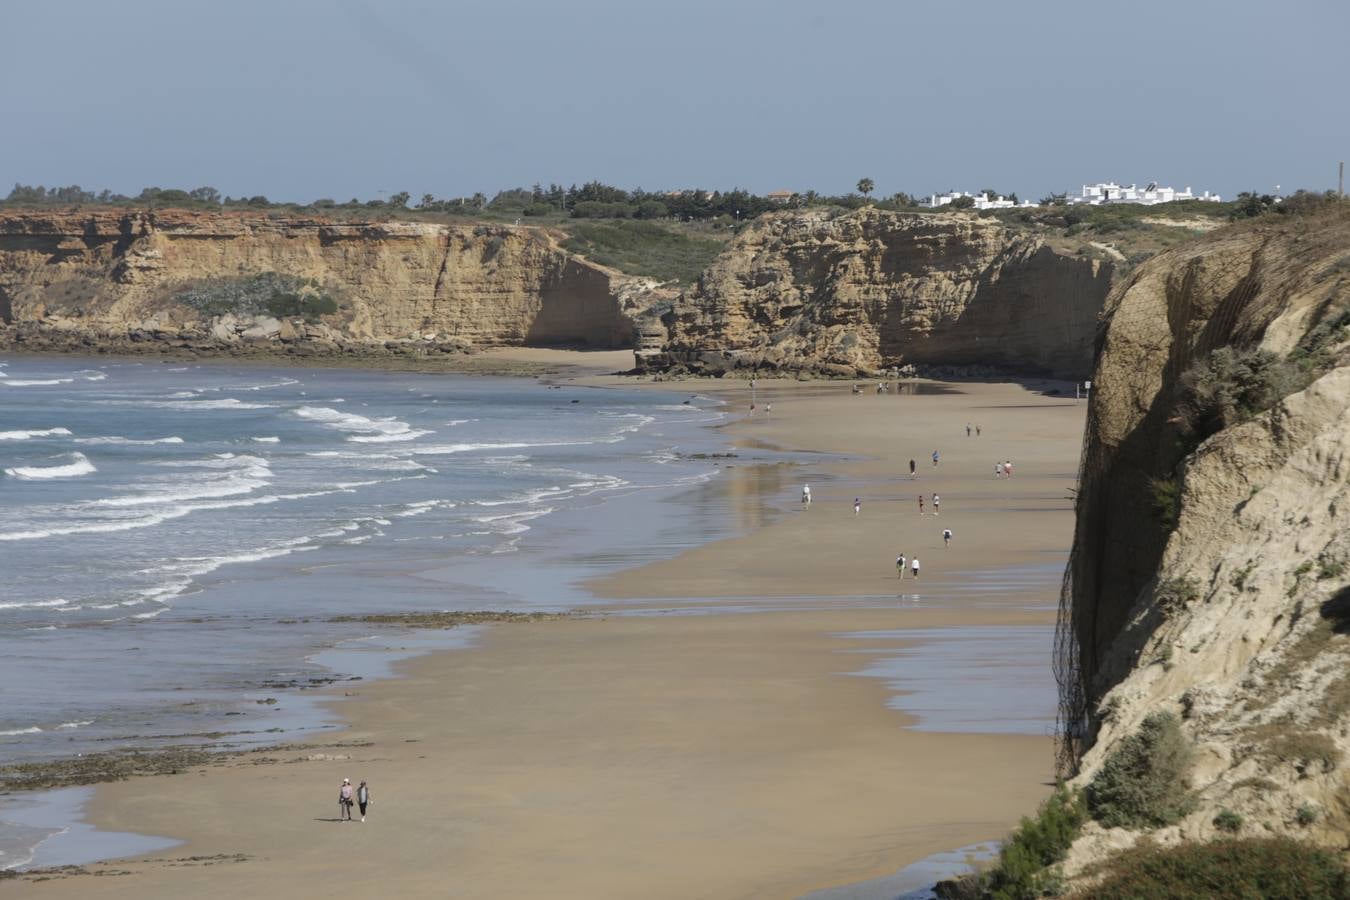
347	796
913	566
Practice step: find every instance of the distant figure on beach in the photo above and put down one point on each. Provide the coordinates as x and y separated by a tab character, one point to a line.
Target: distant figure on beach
752	409
363	798
921	504
768	408
912	474
914	568
935	459
806	495
345	800
937	503
857	505
946	537
977	429
900	566
967	429
1007	468
998	470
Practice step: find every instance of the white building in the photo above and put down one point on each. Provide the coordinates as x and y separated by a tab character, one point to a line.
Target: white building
1110	192
982	201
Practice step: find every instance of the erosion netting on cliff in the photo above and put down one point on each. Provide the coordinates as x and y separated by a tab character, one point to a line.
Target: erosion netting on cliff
1195	341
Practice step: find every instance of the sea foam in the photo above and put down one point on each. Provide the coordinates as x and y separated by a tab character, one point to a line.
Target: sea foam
38	433
79	465
364	430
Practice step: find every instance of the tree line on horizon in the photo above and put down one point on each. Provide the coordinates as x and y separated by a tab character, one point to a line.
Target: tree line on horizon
592	200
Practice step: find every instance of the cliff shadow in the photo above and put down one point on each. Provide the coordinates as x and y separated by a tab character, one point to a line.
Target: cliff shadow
577	310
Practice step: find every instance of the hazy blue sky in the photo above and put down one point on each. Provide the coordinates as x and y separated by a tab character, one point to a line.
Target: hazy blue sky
306	99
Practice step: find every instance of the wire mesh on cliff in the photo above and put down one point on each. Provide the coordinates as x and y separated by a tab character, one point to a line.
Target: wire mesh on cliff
1072	721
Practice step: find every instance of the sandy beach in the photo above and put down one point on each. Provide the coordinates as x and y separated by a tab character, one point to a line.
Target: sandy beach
675	755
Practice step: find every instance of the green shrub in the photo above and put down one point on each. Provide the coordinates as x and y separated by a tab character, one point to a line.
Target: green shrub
1330	569
1143	782
1265	868
1229	821
267	292
1166	498
1306	815
1037	844
1231	386
311	306
1175	594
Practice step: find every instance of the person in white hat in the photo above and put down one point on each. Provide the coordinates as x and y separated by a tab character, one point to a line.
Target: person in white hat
345	801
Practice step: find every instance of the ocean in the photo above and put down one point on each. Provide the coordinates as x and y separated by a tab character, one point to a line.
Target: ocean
177	539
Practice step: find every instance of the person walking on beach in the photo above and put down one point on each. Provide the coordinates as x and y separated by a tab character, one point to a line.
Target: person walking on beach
912	474
967	429
977	429
806	495
935	459
900	566
857	505
345	801
768	408
998	470
1007	468
921	504
946	537
937	503
363	798
914	568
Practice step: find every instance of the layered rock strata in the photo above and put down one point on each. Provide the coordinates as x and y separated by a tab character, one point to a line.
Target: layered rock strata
116	277
867	290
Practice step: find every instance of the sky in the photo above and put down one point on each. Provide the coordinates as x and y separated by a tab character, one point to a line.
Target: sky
302	99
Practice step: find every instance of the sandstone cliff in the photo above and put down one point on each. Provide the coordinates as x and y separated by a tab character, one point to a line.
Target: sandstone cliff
867	290
1210	574
104	277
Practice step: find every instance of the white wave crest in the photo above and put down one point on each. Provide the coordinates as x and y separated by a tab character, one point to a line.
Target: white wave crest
34	604
114	439
32	729
267	440
79	465
363	430
191	405
26	435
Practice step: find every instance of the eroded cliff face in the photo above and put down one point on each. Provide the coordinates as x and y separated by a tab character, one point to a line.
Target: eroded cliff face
867	290
1211	572
106	275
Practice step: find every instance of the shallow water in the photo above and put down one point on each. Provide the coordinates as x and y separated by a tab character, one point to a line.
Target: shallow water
177	539
973	679
45	829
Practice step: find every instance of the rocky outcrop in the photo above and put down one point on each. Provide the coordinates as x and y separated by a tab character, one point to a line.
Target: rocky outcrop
868	290
1210	574
105	277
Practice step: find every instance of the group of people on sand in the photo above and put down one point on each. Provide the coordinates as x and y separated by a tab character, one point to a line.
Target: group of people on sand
977	429
349	796
1003	468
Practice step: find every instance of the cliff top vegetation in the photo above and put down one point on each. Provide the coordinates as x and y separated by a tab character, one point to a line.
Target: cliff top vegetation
673	235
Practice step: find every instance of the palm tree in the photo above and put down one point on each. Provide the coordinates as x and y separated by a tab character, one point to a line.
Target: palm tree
865	186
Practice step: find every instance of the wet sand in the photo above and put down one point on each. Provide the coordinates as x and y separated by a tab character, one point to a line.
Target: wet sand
674	755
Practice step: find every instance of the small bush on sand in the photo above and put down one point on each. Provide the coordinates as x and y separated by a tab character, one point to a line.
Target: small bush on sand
1143	783
1023	864
1269	868
1229	821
